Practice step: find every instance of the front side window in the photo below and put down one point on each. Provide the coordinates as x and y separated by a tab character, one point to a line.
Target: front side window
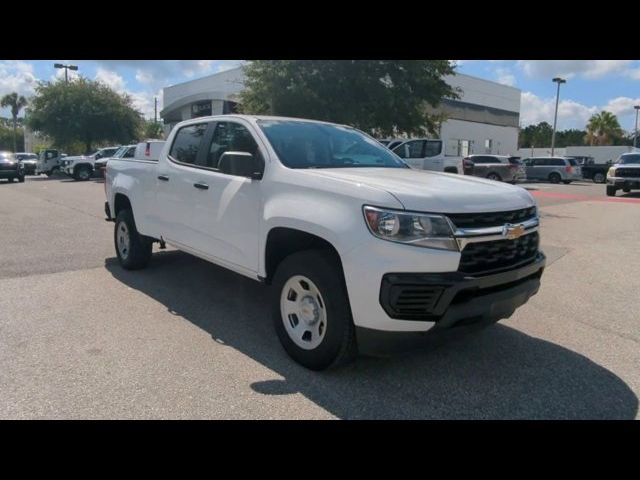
416	149
130	153
433	148
230	137
186	143
301	144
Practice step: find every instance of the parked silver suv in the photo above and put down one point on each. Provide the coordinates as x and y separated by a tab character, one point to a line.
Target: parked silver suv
554	169
495	167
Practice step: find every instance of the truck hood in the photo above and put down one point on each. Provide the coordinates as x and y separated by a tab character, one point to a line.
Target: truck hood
427	191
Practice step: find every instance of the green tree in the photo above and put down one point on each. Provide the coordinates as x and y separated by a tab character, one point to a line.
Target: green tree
8	139
603	129
152	129
536	136
381	97
16	103
83	111
571	137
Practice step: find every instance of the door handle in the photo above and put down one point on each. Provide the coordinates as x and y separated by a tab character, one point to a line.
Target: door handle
201	186
164	178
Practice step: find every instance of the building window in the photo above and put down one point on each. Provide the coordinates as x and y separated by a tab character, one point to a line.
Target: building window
463	148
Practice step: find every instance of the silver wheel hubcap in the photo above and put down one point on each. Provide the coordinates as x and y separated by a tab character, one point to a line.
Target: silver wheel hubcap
84	174
123	240
303	312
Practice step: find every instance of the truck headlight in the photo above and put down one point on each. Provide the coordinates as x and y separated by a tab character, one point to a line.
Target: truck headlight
421	230
611	172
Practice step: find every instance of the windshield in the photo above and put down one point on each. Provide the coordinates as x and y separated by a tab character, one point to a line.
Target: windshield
120	152
627	159
302	144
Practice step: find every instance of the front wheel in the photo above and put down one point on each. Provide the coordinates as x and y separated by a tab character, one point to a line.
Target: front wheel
566	182
133	249
310	309
611	191
494	176
82	173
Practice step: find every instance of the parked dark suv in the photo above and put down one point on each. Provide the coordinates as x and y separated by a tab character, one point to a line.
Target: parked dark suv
11	167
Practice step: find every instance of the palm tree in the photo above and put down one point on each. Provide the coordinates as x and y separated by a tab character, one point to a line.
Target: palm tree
602	128
17	103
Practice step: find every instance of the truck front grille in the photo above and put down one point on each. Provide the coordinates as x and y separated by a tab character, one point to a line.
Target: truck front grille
628	172
492	219
489	257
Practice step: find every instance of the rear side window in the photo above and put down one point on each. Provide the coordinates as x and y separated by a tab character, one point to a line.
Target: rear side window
573	162
433	148
483	160
187	142
557	162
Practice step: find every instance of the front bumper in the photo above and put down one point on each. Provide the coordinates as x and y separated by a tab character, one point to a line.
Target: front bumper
462	301
622	182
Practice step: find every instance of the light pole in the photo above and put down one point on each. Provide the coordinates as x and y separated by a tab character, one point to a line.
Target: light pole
66	69
559	81
635	135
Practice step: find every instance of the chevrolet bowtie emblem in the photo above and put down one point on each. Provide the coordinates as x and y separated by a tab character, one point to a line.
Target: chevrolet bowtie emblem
511	232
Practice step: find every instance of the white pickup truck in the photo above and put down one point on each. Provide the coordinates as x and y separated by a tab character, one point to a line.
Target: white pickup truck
361	252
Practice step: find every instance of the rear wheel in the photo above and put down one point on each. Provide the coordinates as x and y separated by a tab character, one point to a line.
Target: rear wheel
554	178
133	249
611	191
310	309
599	177
494	176
566	182
626	190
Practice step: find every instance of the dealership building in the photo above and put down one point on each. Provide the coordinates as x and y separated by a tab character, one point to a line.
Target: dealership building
484	119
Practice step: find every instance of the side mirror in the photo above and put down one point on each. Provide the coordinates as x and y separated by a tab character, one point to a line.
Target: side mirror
241	164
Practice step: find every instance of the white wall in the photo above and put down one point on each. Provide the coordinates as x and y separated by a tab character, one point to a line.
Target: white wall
485	92
541	152
504	139
599	154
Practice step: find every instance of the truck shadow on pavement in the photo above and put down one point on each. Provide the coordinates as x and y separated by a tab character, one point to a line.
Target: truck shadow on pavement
497	373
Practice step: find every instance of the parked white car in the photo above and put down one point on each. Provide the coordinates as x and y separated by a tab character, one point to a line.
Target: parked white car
360	250
82	167
428	154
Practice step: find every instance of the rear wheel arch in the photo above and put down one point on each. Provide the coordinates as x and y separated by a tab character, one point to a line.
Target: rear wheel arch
121	202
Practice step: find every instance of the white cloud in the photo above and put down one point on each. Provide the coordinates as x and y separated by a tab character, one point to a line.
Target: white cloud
622	106
17	77
111	79
570	68
505	77
571	114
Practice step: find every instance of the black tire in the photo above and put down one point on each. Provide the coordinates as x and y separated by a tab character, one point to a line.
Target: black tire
21	179
626	190
138	254
494	176
599	177
566	182
554	177
82	173
611	191
338	347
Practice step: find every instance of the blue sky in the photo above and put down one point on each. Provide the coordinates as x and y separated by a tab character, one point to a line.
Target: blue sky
592	85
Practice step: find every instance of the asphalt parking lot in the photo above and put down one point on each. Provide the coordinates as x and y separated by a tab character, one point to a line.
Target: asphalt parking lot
82	338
